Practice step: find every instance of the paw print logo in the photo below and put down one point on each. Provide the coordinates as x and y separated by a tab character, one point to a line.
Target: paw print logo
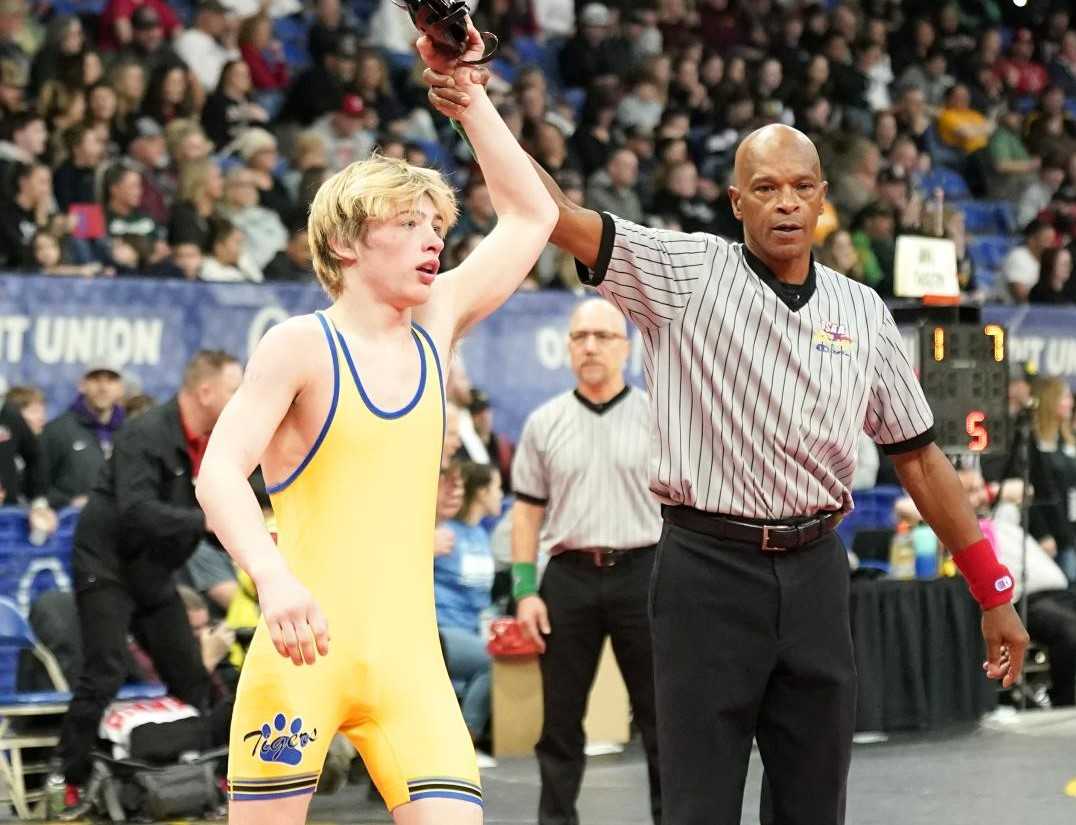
281	741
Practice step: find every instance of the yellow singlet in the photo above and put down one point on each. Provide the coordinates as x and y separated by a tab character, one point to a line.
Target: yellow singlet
355	522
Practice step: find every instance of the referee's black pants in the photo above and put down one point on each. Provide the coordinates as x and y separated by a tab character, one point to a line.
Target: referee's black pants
585	604
752	644
106	613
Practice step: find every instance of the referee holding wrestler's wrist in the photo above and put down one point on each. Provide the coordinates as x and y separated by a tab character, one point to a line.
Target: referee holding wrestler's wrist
581	476
763	366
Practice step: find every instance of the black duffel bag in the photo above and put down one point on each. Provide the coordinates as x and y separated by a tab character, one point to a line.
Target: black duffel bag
127	790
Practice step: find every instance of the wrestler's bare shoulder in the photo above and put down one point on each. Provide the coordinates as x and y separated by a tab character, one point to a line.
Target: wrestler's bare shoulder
294	358
297	346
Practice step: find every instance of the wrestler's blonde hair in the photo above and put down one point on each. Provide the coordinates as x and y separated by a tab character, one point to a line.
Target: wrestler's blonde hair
374	189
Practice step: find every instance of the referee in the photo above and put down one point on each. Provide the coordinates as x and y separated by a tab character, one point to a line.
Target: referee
580	477
763	366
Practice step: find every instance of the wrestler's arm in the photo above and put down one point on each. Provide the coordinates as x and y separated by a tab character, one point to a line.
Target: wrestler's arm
578	231
274	379
525	215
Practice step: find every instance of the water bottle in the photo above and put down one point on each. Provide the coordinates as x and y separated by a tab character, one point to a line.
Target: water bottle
926	552
902	554
55	794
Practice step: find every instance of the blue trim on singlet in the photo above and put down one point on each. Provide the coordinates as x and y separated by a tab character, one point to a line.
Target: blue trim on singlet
362	391
440	378
276	488
462	797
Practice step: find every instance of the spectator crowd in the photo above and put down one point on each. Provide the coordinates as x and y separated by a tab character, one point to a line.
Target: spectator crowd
170	140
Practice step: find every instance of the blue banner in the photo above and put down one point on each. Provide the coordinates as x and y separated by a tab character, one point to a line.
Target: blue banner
1045	336
50	327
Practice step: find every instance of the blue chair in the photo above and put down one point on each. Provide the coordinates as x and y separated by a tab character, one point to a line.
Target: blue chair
950	181
79	8
290	28
363	10
986	280
49	706
982	217
535	53
15	706
989	251
873	510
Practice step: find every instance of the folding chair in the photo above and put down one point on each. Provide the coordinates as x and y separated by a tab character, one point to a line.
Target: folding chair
16	635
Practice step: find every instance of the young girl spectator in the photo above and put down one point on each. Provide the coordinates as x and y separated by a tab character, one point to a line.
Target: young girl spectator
1055	446
64	40
170	95
101	102
463	580
307	153
839	254
48	258
1055	278
231	109
201	185
129	80
263	55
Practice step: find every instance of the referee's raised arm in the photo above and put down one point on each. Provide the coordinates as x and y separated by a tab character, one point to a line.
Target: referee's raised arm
578	230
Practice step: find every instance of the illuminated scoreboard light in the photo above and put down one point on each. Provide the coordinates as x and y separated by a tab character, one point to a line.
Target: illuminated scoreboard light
964	372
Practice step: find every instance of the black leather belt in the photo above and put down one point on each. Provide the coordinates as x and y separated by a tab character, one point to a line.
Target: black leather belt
772	538
601	556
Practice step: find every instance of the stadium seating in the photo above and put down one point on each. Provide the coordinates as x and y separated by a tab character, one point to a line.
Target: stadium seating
950	181
988	251
292	33
19	708
982	217
534	53
873	510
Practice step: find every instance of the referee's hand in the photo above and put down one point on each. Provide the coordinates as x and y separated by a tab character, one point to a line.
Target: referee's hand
1006	643
445	94
533	617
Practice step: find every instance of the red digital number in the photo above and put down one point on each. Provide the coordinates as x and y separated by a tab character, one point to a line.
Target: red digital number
975	426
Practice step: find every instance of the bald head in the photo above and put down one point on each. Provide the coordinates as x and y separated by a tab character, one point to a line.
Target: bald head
598	348
598	313
774	141
778	193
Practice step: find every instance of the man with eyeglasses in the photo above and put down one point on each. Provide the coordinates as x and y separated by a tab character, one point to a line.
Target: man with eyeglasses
581	478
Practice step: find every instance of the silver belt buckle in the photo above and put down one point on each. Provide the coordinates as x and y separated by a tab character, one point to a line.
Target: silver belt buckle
766	540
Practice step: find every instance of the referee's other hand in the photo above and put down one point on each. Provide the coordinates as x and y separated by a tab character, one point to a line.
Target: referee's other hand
533	617
1006	644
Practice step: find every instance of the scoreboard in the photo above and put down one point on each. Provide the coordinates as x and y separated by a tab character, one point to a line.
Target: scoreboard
963	369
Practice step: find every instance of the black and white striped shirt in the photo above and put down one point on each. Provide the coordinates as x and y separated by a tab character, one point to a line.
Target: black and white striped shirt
589	466
759	389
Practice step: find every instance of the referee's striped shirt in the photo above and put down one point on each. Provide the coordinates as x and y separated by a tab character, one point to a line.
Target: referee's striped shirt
588	465
759	389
